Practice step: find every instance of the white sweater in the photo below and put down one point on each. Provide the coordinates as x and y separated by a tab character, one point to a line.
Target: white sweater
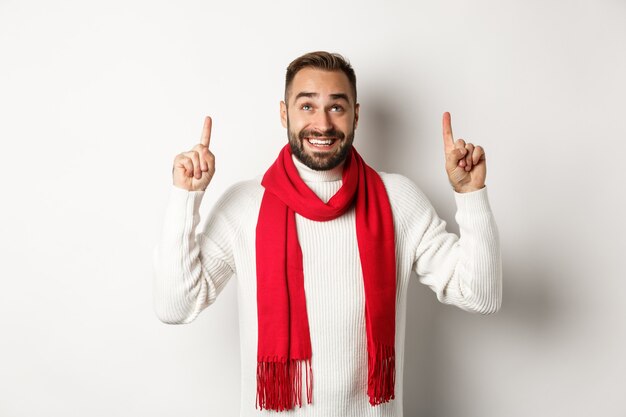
191	270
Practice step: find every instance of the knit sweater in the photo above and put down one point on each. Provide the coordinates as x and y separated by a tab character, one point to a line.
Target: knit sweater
191	269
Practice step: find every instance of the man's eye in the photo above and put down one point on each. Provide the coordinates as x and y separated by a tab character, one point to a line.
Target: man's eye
306	107
337	108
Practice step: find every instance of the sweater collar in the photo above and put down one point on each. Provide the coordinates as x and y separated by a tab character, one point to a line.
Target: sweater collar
310	175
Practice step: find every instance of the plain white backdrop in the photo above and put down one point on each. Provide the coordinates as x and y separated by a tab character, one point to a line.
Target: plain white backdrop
96	99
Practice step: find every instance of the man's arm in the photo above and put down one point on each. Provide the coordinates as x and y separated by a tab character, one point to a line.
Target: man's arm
465	271
190	270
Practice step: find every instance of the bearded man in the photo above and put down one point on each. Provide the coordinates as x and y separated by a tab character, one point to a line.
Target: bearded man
323	248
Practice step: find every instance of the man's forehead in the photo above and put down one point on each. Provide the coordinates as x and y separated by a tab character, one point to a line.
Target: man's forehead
317	82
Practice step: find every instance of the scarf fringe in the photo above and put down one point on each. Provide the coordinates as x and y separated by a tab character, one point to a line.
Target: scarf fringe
382	374
279	384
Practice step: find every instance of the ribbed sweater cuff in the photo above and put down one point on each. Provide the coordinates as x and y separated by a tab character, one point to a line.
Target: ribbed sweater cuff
182	198
473	202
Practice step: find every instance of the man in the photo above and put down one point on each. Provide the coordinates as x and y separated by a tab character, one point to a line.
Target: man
323	248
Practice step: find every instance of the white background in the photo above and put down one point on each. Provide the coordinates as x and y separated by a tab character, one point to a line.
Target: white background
96	99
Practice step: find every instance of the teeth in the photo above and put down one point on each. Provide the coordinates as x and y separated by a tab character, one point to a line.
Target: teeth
320	142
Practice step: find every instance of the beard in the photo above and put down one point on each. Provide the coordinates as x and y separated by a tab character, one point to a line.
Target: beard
320	161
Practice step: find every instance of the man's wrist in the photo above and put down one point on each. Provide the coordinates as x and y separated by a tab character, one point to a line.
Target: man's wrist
468	189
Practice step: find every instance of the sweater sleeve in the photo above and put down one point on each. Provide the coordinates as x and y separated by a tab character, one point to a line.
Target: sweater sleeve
190	269
465	270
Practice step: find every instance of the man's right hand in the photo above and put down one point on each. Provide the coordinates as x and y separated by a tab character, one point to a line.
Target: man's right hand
193	170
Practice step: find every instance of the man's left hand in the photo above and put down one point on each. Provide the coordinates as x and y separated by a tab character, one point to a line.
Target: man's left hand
465	163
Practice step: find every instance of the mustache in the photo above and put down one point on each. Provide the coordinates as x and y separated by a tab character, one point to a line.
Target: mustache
330	133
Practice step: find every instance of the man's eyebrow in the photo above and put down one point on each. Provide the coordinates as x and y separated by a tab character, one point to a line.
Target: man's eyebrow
306	94
338	96
334	96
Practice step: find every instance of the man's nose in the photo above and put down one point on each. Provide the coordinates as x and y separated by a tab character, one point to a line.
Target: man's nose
322	121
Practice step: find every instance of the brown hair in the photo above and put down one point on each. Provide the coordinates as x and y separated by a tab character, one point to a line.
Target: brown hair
320	60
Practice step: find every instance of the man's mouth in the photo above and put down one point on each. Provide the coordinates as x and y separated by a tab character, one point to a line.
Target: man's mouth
321	142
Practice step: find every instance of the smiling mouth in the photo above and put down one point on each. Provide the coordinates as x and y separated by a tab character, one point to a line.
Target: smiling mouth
321	142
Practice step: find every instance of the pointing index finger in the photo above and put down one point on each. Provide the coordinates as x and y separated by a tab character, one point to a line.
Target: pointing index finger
205	139
448	139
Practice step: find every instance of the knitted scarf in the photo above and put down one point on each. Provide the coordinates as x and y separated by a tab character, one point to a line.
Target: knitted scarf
284	349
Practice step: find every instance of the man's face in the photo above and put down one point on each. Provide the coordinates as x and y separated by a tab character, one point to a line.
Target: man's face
320	116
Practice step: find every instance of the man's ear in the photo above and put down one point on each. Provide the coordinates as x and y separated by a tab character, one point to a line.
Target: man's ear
356	114
283	114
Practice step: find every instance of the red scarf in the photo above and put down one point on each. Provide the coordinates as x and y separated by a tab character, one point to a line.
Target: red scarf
284	350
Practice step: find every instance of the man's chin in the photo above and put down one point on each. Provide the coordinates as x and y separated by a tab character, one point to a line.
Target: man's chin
324	164
320	161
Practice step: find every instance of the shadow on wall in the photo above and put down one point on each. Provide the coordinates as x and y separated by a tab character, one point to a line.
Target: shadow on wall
380	130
